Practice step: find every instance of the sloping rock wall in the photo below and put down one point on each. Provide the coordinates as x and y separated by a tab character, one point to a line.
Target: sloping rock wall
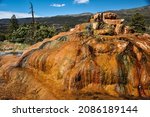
113	65
79	65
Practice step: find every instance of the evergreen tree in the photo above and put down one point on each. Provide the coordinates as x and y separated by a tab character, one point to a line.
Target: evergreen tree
138	23
24	33
65	27
13	24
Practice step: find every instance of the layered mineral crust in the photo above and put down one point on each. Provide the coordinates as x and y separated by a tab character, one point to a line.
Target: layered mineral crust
84	63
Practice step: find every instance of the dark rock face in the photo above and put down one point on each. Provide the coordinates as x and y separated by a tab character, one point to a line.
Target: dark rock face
79	65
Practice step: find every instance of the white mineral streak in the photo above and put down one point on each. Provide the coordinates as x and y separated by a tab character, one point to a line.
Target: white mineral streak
143	45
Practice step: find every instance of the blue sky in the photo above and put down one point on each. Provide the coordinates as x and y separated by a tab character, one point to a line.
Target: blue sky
62	7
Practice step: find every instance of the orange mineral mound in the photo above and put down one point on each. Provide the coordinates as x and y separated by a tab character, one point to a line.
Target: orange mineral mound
81	64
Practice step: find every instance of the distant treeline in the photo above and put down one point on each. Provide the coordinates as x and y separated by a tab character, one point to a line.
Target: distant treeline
22	30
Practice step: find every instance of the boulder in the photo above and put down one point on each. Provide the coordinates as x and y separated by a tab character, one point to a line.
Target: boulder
97	17
95	25
109	15
128	30
114	21
119	29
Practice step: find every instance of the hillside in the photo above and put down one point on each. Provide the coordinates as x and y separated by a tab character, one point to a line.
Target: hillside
100	59
127	13
58	21
72	20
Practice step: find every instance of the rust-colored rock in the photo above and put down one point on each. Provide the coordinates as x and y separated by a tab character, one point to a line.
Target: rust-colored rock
99	19
109	15
128	30
80	65
111	21
119	29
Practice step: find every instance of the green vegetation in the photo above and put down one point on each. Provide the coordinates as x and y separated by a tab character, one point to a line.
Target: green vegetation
23	31
25	34
65	28
2	37
138	23
13	26
61	23
129	13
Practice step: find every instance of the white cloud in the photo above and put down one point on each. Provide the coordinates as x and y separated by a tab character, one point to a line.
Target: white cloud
57	5
8	14
81	1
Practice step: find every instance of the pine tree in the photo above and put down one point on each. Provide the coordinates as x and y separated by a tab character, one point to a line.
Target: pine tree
13	24
138	23
65	27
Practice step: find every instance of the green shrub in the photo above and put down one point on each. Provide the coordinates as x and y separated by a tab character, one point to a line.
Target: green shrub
138	23
2	37
26	34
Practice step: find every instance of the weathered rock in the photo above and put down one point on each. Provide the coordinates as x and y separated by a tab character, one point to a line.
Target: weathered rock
81	27
96	17
104	32
109	15
112	21
119	29
95	25
107	18
77	64
128	30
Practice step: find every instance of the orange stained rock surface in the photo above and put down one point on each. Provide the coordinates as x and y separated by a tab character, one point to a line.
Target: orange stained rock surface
79	65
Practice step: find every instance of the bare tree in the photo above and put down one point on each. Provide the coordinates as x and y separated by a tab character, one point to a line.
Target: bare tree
32	12
33	19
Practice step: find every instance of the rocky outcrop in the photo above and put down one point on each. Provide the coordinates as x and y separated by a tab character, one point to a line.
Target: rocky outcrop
80	64
110	19
109	15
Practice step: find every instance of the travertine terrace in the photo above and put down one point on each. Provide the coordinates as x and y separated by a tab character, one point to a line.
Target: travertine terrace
100	59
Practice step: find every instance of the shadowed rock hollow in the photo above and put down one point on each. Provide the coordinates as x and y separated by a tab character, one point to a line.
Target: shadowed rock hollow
101	59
